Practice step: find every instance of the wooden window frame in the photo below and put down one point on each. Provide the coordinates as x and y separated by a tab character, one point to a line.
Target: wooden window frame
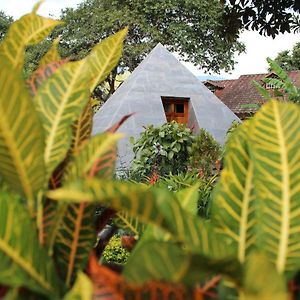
181	118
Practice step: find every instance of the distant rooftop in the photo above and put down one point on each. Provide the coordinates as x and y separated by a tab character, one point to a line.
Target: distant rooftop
236	93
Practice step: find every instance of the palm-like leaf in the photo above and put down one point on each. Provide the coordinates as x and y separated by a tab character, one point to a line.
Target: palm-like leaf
30	29
233	212
22	260
276	144
21	137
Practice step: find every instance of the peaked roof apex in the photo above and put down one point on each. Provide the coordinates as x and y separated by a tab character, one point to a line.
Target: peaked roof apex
159	47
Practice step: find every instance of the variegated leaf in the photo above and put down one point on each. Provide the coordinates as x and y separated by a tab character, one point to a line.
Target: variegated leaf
22	260
154	206
105	57
41	75
30	29
276	155
77	223
170	262
82	128
91	156
233	207
82	289
125	221
59	102
21	137
76	236
51	56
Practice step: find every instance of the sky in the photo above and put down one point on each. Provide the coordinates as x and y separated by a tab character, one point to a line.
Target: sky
258	48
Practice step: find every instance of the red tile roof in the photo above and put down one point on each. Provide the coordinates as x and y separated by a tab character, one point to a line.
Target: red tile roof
239	92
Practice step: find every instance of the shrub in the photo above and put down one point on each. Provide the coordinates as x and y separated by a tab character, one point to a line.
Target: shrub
162	149
48	203
182	181
204	154
172	148
114	252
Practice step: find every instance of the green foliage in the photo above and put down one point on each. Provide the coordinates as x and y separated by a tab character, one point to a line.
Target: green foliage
172	148
46	224
232	129
289	60
162	149
181	182
205	152
43	134
114	252
267	17
5	21
254	209
284	87
150	22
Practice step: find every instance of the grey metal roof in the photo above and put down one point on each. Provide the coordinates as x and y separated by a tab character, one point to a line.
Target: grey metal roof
161	74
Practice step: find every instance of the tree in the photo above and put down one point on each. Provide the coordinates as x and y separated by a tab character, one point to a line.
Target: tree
289	60
191	28
269	17
5	21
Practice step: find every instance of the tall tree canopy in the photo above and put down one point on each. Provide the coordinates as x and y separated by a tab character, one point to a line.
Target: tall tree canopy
193	28
289	60
5	21
204	32
269	17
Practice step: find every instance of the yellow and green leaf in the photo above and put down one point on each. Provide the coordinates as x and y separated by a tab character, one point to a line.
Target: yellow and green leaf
51	56
154	206
233	210
23	262
30	29
262	281
21	137
170	262
105	57
276	156
76	233
82	289
92	157
82	128
59	102
75	237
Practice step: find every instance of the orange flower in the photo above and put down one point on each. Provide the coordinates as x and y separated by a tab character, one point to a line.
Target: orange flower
154	178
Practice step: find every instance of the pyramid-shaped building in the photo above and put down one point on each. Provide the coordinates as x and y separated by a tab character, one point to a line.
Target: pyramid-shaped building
161	88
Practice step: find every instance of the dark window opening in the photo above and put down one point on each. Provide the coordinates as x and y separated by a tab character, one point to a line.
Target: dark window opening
179	108
176	109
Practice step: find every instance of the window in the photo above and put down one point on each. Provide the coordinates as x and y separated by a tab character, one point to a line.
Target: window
179	108
270	86
176	109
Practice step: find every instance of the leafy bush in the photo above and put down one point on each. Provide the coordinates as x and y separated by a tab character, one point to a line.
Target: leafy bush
172	148
176	183
205	152
48	203
114	252
162	149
